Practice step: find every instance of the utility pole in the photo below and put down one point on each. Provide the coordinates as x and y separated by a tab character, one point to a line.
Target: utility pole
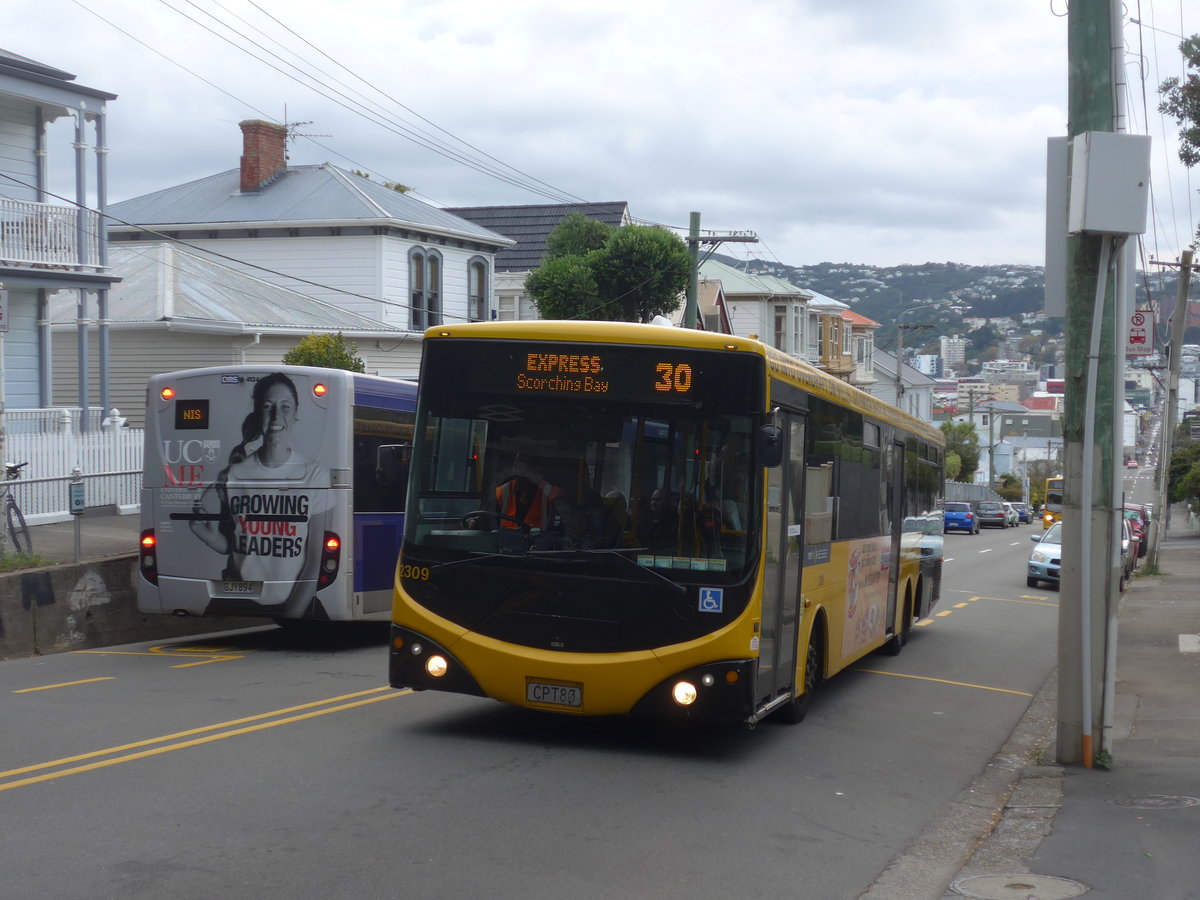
1090	571
1178	326
900	326
694	240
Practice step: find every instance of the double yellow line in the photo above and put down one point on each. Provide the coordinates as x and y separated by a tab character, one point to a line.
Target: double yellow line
182	740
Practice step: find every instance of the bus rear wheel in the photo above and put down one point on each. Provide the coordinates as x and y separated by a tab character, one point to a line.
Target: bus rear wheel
897	641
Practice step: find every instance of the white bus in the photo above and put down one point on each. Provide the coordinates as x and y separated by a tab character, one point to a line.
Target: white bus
273	491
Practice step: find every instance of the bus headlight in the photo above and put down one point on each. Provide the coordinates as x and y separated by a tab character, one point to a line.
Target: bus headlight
684	693
436	666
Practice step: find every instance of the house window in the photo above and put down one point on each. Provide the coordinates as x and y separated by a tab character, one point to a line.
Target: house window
425	288
797	340
847	332
821	323
477	292
780	328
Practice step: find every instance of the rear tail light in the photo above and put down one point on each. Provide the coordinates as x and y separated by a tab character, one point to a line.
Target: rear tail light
148	556
331	560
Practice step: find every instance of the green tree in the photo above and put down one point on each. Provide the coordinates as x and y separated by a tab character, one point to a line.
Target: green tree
577	235
1181	101
963	441
953	465
1010	488
643	269
565	288
326	351
1183	473
593	271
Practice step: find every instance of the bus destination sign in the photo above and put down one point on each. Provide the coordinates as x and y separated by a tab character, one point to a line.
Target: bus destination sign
626	372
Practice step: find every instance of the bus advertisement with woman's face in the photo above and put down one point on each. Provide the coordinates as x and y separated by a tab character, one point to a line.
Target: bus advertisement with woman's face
237	489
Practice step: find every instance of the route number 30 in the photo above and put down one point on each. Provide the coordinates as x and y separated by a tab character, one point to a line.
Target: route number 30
676	378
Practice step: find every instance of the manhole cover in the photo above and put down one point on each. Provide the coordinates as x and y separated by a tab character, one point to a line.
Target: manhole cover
1018	887
1158	801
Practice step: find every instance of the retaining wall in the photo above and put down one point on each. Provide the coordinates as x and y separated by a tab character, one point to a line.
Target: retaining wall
83	606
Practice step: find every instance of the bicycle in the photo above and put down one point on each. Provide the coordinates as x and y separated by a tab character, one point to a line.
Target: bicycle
18	531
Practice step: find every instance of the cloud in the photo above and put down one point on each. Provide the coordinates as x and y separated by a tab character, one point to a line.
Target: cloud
870	131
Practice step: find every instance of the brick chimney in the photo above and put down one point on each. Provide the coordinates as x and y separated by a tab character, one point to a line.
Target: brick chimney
264	153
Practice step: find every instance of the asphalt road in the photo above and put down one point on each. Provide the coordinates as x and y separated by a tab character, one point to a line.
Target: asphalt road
261	764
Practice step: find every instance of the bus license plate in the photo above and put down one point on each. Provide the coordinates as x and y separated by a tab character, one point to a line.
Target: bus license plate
562	694
238	587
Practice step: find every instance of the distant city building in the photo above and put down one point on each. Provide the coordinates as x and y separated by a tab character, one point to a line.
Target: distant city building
929	364
954	350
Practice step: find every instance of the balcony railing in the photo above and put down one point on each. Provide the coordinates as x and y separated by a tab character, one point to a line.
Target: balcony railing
43	236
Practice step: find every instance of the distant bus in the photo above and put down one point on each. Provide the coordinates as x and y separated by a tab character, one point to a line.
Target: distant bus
273	491
609	518
1052	507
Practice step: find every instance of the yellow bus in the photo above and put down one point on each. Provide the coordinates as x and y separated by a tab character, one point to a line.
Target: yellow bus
610	518
1052	504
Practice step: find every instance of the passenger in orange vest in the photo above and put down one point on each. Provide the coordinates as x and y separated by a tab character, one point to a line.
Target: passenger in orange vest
526	499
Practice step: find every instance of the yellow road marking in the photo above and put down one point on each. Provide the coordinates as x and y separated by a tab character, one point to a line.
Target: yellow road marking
211	654
925	622
962	605
943	613
50	687
981	687
195	731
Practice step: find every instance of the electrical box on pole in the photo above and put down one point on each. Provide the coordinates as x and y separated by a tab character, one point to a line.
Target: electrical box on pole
1110	183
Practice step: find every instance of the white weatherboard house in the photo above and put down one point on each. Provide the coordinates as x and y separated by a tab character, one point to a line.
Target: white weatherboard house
353	244
51	237
176	309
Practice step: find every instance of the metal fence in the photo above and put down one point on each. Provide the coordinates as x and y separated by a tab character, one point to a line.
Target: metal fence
109	460
957	490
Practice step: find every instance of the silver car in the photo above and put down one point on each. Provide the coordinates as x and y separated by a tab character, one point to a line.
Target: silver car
1046	557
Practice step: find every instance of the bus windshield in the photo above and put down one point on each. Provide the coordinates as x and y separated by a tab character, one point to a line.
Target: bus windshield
632	480
1054	495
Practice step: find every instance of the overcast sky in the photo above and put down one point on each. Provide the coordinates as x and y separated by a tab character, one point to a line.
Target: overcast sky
866	131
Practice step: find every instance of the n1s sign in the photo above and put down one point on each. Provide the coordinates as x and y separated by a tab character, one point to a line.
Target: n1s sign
1139	334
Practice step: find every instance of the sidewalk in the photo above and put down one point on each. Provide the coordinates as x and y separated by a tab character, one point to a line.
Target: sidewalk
101	534
1132	831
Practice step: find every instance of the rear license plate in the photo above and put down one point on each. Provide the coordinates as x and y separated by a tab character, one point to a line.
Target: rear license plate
565	695
239	587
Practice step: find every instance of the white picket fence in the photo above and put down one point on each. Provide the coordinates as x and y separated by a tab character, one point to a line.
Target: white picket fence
109	462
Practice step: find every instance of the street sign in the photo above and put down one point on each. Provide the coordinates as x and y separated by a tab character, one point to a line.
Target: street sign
1139	334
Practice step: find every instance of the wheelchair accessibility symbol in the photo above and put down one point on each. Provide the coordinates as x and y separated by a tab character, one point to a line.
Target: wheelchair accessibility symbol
712	600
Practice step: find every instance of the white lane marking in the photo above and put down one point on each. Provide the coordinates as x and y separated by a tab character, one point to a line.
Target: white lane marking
1189	643
989	550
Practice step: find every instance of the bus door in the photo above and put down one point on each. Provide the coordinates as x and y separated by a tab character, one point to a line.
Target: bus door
781	578
893	518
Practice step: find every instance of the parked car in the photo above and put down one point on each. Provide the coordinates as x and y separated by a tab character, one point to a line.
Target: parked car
1139	520
991	513
1129	552
1046	557
1024	513
1011	518
958	516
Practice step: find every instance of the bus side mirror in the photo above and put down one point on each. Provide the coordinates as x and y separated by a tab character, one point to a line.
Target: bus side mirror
391	463
770	446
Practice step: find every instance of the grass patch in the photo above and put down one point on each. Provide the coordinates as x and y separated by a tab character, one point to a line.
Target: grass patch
13	562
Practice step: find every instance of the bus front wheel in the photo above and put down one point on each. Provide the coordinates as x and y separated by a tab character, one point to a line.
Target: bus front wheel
794	712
